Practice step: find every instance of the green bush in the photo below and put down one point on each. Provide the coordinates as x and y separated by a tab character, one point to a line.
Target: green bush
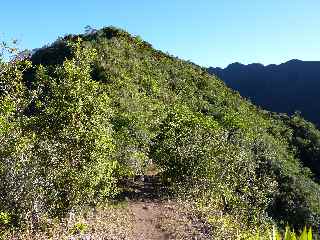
61	156
288	235
195	153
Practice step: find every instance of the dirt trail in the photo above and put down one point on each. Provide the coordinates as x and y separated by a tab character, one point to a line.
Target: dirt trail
144	211
146	202
146	217
158	217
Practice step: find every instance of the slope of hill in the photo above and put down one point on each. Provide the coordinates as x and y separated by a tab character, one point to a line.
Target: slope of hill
92	113
288	87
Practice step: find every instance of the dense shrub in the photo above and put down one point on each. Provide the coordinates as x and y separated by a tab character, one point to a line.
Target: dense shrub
306	139
61	157
196	153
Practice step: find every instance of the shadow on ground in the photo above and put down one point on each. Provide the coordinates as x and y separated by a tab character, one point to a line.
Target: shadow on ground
144	188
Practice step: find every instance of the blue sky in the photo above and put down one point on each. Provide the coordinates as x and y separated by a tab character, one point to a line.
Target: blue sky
207	32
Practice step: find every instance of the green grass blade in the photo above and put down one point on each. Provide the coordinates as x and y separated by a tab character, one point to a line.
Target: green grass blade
310	234
304	234
287	234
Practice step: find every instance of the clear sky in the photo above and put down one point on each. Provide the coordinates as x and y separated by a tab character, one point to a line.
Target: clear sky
207	32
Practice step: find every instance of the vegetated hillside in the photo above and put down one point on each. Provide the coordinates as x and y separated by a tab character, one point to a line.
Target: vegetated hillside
72	128
288	87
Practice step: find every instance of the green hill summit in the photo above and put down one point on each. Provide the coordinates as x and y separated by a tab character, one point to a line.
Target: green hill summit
98	108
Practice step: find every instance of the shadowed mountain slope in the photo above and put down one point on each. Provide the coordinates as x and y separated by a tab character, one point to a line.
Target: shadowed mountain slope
288	87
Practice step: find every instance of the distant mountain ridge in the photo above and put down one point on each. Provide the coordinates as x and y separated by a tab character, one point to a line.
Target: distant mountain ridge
287	87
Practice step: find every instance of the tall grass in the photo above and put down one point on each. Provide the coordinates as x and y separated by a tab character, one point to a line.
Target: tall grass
289	234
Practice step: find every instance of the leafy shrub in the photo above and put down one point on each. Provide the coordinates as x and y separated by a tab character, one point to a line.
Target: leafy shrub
78	228
195	153
306	139
60	157
4	218
290	234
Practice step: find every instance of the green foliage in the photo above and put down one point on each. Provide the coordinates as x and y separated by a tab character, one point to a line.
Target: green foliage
75	133
61	157
272	233
4	218
94	111
306	139
195	151
78	228
14	142
291	235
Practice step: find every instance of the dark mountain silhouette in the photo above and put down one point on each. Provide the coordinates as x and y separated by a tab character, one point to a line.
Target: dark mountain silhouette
288	87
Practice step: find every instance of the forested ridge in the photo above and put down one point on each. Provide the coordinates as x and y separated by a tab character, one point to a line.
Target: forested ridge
89	111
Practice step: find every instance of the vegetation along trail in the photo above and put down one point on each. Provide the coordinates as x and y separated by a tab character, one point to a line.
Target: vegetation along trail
80	118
